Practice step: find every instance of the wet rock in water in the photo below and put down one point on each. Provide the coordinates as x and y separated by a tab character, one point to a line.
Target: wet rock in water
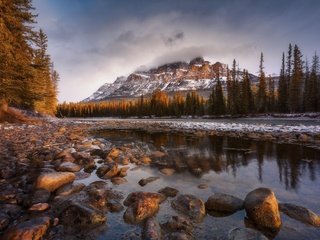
221	202
179	224
178	236
203	186
123	171
145	181
33	229
98	152
39	207
69	189
158	154
82	215
300	213
4	221
262	209
190	205
114	206
8	193
141	205
52	181
8	213
146	160
40	196
68	167
169	191
245	234
114	153
108	170
151	230
167	171
82	175
125	161
118	180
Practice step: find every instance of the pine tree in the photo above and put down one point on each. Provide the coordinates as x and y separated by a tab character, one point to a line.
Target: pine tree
246	94
261	95
313	98
271	95
219	105
230	102
295	92
283	89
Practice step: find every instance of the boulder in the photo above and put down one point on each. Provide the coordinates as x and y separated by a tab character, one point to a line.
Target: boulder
178	236
145	181
69	189
190	205
245	234
151	230
300	213
33	229
167	171
179	224
82	215
262	209
52	181
39	207
68	167
118	180
169	191
141	205
221	202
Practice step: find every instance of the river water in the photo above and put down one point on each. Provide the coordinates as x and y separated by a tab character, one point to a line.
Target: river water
226	165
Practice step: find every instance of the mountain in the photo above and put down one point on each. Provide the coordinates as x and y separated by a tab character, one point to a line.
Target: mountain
198	74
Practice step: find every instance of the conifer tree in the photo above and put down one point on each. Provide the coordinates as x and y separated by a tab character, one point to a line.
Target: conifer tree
283	88
219	105
261	95
271	95
295	96
313	98
246	94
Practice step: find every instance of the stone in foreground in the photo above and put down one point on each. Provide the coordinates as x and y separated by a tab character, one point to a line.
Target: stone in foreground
33	229
141	205
221	202
300	213
151	230
262	209
52	181
245	234
190	205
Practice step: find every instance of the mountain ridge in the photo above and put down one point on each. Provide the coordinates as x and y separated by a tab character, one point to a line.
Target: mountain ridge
199	75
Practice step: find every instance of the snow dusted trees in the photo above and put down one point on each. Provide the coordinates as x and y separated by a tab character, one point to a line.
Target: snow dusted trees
25	67
262	88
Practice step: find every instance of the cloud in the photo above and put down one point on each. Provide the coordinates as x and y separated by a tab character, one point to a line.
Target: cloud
175	39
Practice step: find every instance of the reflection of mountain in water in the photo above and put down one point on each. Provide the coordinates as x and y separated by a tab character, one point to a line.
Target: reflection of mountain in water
200	155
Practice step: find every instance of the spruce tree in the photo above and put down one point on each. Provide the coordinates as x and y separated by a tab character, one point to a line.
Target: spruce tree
219	105
295	92
261	95
283	89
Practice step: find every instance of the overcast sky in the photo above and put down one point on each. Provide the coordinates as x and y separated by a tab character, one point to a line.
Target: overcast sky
94	41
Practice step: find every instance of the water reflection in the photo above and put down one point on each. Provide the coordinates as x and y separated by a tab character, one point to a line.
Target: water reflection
201	154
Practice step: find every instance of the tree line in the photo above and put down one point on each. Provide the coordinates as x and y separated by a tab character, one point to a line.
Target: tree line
27	76
297	90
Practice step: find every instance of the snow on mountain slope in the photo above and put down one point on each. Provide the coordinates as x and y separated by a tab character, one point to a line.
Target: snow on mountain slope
180	76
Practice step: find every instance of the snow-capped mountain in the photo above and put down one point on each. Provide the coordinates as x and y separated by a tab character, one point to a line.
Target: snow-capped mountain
198	74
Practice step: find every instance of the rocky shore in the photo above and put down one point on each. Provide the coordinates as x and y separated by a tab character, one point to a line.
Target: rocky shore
43	196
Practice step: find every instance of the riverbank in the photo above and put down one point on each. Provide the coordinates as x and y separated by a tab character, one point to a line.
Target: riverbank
58	181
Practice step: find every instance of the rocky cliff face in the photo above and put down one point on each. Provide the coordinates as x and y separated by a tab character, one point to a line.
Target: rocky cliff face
198	74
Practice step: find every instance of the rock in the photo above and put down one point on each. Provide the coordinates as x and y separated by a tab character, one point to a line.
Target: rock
125	161
262	208
33	229
158	154
167	171
123	171
151	230
202	186
68	167
178	236
245	234
114	153
108	170
300	213
52	181
114	206
82	175
190	205
169	192
39	207
179	224
4	221
146	160
118	180
69	189
40	196
141	205
145	181
221	202
8	212
80	215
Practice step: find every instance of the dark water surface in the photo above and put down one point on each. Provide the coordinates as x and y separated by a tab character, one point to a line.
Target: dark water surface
227	165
